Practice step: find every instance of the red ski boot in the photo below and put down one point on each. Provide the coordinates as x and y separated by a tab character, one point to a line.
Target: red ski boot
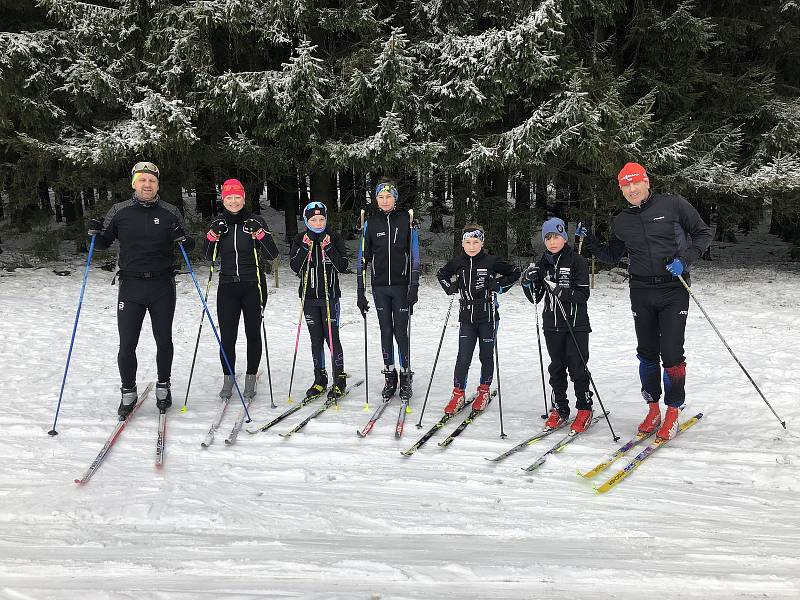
669	427
556	419
652	420
582	421
482	398
456	403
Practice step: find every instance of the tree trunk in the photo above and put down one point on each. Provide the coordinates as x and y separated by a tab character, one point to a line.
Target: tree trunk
498	214
437	201
44	197
523	218
171	190
461	188
253	189
206	194
541	197
289	199
88	198
349	213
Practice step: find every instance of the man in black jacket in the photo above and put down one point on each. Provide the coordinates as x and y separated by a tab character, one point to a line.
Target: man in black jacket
663	236
147	229
390	245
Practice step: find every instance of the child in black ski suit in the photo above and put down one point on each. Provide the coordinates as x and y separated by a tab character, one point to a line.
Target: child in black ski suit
321	306
478	276
562	277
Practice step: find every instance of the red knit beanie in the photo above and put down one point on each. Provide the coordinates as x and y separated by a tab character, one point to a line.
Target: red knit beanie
232	187
631	173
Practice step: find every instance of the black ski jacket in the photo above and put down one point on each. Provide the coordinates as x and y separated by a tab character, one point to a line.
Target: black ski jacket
145	232
335	262
570	272
391	247
235	248
662	228
471	274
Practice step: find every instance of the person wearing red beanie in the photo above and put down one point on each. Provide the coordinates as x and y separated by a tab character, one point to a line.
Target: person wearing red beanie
239	236
663	236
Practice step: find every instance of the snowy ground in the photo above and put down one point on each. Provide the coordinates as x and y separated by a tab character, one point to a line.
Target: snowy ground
716	514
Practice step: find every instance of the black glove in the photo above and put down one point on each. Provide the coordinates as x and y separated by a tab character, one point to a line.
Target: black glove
413	295
362	303
94	226
492	285
178	234
532	275
554	288
219	227
252	226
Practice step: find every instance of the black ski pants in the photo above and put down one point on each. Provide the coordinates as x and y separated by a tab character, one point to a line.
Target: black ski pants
135	298
468	335
564	357
233	300
317	321
659	315
391	304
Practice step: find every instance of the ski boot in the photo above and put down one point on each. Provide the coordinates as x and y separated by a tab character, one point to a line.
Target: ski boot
227	387
652	420
406	382
456	403
556	418
319	385
582	421
339	387
390	385
163	396
249	386
127	403
669	426
481	398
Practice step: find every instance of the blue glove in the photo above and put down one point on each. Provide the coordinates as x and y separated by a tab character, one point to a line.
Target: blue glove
675	267
582	230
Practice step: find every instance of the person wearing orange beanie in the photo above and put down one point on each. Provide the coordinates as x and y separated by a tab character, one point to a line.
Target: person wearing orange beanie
663	236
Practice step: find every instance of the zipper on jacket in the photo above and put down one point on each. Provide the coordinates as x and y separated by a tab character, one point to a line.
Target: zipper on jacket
236	249
389	245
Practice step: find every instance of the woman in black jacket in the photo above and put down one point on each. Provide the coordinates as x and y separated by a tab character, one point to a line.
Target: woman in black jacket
238	236
322	255
478	276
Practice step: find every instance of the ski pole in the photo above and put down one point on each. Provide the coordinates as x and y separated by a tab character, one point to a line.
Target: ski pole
738	362
364	315
300	318
328	310
580	239
214	328
262	298
497	364
410	271
200	329
435	362
541	360
585	365
74	331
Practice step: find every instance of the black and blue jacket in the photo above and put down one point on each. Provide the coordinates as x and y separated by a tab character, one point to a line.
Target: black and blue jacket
390	244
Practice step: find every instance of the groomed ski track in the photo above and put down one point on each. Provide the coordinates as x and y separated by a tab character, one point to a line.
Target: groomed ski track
715	515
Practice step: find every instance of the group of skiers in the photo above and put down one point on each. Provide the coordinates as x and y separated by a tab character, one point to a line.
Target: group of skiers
663	235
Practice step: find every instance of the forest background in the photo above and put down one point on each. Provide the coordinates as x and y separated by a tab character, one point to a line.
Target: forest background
503	112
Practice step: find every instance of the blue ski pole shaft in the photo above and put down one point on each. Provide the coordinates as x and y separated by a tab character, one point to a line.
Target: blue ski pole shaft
74	331
214	329
200	328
